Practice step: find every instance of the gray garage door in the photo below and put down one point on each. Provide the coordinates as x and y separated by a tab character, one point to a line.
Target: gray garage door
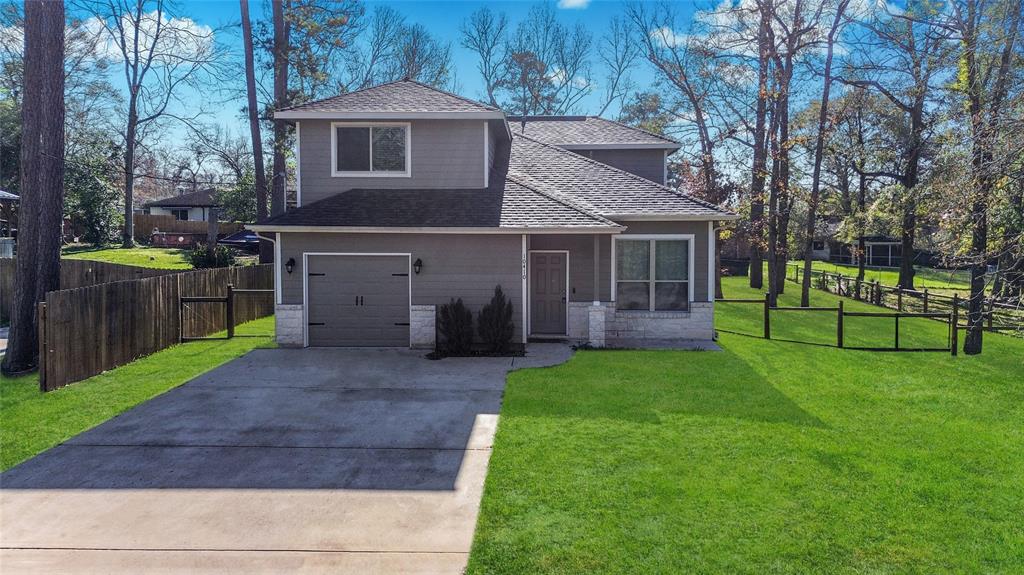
358	301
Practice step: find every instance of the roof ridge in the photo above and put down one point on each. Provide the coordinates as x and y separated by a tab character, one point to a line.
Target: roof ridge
392	82
531	184
638	129
690	197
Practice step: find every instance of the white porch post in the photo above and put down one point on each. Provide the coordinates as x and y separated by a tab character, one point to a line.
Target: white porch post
525	299
711	261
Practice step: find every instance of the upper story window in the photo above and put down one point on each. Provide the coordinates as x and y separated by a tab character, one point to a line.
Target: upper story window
370	150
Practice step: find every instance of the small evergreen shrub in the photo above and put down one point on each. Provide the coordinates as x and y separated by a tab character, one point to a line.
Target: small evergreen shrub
455	322
202	257
495	323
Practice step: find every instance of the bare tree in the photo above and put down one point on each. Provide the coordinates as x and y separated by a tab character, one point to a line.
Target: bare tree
819	150
618	53
42	180
484	33
252	111
280	52
988	34
162	55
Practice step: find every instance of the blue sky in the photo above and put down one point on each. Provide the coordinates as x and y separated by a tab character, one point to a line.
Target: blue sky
442	18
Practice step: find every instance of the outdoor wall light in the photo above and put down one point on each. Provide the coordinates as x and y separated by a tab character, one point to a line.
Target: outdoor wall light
289	265
417	266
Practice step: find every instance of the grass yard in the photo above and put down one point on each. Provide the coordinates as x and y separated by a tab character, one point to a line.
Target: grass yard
768	457
32	422
160	258
931	278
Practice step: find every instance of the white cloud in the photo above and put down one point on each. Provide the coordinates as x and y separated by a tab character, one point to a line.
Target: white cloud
668	37
573	4
178	37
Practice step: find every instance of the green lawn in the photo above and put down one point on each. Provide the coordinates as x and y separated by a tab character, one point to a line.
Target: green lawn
930	278
31	422
160	258
767	457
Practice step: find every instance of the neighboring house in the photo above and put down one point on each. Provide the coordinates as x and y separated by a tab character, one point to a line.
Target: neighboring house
8	214
192	207
408	197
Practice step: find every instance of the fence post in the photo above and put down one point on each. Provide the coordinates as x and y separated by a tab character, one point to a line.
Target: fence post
925	300
897	330
43	355
839	326
231	311
954	321
839	284
991	312
899	298
767	318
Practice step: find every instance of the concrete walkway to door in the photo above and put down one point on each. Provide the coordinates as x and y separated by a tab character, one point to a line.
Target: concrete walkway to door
298	461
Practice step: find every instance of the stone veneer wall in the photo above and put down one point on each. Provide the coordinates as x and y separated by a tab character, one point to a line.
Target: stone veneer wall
422	329
288	325
585	321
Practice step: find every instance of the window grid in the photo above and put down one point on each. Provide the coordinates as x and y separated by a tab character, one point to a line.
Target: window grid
371	172
653	280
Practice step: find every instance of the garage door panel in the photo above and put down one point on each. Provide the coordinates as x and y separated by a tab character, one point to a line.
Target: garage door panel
358	301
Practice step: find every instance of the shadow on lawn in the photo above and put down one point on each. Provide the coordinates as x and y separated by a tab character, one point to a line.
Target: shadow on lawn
642	386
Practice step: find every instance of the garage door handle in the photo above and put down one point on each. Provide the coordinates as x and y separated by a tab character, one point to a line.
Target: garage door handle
316	274
361	301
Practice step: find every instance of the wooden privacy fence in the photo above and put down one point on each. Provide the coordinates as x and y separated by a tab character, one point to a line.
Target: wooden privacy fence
88	330
951	318
998	316
229	300
74	274
146	223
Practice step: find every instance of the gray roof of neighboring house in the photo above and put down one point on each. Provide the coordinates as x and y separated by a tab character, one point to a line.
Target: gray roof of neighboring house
401	97
513	205
602	189
200	199
587	132
8	196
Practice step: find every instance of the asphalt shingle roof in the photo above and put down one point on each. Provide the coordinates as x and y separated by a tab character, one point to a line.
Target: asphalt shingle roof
512	205
200	199
400	96
600	188
584	131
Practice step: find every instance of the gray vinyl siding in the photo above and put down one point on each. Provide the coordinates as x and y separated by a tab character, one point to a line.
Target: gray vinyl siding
457	265
581	263
445	154
648	164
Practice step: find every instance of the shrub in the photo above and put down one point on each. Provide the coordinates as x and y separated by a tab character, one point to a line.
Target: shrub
202	257
495	323
455	322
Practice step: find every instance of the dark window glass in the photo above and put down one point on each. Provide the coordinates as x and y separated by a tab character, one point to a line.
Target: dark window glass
389	149
353	149
671	295
633	295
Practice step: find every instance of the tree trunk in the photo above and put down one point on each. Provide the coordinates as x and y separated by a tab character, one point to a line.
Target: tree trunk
756	231
281	29
266	249
819	152
862	193
42	180
128	235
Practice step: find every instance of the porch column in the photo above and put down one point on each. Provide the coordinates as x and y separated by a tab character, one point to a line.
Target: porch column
597	269
595	315
524	300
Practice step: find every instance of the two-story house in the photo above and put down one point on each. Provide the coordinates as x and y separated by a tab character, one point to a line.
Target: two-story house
409	196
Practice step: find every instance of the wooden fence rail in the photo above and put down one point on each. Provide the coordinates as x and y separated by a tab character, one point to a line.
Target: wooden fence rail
997	316
951	318
74	274
88	330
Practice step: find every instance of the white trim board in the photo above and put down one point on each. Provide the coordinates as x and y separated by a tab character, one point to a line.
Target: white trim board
428	230
317	115
305	285
529	283
298	165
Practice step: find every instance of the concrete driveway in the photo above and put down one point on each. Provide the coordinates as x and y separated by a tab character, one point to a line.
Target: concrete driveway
304	461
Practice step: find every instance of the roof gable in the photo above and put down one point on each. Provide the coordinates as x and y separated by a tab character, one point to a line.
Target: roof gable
403	98
200	199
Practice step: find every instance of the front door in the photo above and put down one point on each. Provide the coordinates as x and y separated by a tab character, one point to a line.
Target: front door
548	292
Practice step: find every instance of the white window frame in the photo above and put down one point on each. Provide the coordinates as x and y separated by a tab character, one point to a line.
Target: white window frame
371	174
691	243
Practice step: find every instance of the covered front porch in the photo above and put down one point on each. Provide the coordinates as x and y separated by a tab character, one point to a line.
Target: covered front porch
650	286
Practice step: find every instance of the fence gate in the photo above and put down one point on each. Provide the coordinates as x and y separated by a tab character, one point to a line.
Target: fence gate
199	320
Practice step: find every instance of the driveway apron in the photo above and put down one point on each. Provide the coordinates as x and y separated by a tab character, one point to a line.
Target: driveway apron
284	460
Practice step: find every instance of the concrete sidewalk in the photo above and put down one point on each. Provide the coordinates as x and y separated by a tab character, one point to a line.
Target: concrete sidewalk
307	461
